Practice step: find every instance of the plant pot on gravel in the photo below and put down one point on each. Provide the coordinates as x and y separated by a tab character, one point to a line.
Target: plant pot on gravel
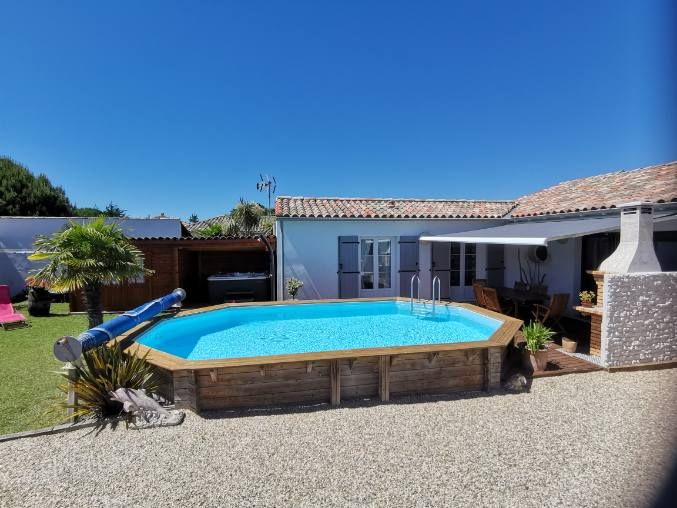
536	336
39	301
569	345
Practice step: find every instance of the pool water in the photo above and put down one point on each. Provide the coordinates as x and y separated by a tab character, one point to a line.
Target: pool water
239	332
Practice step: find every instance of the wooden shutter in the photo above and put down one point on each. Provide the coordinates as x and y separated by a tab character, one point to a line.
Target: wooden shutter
349	266
441	266
408	263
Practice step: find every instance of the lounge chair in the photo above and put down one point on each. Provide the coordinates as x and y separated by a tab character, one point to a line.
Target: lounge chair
9	318
477	286
554	312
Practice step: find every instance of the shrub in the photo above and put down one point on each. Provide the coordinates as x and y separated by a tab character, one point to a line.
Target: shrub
293	287
586	296
103	370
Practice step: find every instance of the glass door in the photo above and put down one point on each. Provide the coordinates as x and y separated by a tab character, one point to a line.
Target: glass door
463	263
376	267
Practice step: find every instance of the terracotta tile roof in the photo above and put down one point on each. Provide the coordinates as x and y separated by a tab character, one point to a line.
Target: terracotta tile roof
657	184
371	208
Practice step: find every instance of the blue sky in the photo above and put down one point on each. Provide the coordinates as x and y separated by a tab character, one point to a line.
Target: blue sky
176	107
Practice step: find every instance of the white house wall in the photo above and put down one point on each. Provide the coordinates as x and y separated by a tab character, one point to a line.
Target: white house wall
308	248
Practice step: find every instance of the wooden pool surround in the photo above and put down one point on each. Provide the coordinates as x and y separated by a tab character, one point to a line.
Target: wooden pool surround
329	376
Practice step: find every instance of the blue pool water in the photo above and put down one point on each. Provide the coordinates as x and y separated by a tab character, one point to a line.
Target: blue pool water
239	332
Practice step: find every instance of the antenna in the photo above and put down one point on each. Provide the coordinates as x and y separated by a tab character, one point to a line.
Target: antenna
267	183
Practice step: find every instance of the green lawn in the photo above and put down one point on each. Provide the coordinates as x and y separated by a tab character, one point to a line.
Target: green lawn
29	397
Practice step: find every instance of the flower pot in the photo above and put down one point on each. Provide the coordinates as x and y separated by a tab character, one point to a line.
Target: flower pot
39	302
586	304
535	362
569	345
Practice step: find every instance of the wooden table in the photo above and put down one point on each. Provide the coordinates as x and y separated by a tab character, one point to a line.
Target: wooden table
520	296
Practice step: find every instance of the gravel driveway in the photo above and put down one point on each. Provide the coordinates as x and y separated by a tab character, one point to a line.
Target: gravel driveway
594	439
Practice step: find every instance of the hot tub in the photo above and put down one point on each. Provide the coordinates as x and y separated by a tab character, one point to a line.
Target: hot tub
238	287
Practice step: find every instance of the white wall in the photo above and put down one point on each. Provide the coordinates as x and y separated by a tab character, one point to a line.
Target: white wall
639	324
308	248
562	268
18	233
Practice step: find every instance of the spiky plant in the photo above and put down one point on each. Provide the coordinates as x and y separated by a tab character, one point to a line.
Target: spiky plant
536	336
246	215
86	256
100	372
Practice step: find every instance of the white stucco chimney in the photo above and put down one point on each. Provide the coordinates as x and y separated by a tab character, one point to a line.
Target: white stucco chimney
635	252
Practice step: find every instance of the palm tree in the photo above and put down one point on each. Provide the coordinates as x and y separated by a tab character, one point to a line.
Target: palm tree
86	257
246	216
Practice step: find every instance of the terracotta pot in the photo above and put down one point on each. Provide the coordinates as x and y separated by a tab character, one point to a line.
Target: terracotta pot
586	304
569	345
535	362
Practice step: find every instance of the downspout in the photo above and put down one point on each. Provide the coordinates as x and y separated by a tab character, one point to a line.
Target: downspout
271	266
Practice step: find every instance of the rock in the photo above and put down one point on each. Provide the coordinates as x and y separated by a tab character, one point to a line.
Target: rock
516	383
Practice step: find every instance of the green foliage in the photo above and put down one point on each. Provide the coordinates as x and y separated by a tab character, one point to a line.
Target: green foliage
87	211
536	335
113	210
93	253
293	286
102	371
211	230
586	296
247	216
193	219
24	194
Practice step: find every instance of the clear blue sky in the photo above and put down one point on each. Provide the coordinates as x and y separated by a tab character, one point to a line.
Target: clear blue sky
176	107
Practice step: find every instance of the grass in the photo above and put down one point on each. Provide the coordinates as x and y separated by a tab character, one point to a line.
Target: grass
29	379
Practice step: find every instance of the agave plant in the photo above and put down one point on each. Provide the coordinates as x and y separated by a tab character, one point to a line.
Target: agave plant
103	370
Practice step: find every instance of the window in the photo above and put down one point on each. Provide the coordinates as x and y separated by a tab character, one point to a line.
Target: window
384	264
367	264
470	263
455	265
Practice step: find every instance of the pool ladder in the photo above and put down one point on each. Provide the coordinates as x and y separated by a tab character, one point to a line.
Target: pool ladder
439	291
416	278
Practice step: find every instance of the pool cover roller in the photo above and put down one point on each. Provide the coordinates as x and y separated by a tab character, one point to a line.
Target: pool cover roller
69	349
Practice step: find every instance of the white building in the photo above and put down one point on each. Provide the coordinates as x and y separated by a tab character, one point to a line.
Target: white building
354	247
17	235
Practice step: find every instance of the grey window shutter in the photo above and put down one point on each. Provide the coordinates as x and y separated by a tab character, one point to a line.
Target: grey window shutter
349	266
408	263
441	265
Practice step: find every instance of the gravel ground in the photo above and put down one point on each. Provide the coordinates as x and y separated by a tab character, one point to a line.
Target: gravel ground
594	439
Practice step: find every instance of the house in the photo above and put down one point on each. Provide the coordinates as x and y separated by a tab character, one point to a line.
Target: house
364	247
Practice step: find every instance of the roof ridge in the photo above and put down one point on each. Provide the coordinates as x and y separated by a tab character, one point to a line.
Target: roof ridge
431	200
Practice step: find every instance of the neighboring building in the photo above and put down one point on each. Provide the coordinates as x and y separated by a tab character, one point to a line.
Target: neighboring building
355	247
177	258
18	233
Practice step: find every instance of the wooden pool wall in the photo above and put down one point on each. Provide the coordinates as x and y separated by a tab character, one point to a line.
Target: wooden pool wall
332	376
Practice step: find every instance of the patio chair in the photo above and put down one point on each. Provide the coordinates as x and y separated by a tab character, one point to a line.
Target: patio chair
477	286
491	301
554	312
9	318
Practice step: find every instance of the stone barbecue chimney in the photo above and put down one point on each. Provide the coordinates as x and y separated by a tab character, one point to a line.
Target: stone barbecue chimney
635	252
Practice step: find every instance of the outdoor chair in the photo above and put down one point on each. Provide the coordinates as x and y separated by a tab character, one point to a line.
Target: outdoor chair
477	286
491	301
554	312
9	318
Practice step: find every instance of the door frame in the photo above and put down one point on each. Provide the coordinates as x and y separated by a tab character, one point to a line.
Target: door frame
464	291
394	261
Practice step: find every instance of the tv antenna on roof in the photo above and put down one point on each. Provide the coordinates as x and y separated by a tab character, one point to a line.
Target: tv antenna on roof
269	184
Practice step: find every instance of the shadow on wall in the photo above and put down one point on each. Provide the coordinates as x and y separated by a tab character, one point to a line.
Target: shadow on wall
14	268
298	271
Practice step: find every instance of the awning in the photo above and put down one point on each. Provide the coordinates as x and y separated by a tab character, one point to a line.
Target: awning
531	232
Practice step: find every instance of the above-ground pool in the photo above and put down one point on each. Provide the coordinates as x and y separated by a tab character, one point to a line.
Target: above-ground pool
286	329
281	353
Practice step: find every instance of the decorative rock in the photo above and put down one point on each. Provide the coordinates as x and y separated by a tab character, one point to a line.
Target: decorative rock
516	383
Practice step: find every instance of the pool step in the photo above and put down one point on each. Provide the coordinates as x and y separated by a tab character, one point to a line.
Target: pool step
421	313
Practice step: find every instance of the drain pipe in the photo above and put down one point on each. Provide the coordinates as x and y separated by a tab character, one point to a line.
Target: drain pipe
271	265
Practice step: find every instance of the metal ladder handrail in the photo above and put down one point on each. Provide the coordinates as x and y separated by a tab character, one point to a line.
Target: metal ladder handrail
411	290
439	291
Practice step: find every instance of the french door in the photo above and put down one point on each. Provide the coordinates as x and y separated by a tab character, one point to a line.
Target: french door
376	267
463	269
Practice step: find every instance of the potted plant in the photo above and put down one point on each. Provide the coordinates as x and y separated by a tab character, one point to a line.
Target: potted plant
536	336
293	287
39	301
586	298
569	345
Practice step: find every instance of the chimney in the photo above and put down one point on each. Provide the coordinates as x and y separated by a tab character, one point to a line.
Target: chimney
635	252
